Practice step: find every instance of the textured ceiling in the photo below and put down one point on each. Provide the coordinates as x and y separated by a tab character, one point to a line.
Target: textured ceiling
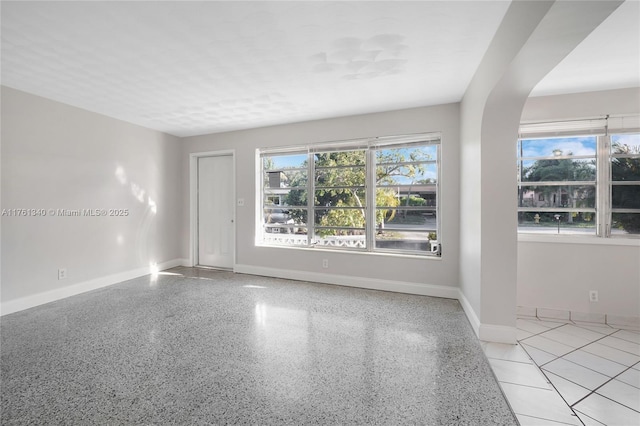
189	68
198	67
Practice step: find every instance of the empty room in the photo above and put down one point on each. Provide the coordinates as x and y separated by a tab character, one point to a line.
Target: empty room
320	212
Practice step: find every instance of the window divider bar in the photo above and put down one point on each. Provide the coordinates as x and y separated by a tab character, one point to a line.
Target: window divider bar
370	191
317	188
311	217
625	182
557	209
429	209
560	157
559	183
408	163
603	190
340	207
616	210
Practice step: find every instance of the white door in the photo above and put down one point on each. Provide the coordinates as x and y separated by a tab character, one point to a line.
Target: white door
216	236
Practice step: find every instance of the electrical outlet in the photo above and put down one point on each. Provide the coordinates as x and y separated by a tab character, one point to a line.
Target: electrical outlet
240	202
593	296
325	263
62	273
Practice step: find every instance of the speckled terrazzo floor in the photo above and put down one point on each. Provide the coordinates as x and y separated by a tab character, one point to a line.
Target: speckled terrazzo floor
196	346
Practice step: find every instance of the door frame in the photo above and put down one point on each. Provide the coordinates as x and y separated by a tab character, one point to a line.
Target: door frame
193	201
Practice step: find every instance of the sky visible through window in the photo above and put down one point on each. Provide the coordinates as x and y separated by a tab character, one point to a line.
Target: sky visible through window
630	140
429	172
288	161
582	145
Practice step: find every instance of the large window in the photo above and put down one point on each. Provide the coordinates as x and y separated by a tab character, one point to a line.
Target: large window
367	195
580	177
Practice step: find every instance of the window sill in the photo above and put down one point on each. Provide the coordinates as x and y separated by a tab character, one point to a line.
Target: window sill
578	239
352	252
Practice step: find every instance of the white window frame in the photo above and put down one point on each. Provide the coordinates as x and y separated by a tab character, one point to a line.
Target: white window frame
370	146
602	128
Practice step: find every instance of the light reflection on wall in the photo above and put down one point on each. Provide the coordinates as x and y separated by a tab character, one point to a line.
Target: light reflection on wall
137	192
153	271
152	206
145	231
121	175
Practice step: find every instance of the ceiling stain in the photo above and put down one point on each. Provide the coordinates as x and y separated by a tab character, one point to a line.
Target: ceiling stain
354	58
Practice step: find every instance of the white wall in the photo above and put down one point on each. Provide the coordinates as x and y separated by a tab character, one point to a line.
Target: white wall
557	272
408	273
486	210
582	105
55	156
531	40
559	275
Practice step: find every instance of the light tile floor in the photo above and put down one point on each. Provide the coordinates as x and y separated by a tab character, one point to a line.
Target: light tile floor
563	372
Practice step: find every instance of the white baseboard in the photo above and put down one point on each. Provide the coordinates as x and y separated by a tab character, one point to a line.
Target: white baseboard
471	314
497	334
349	281
567	315
27	302
491	333
487	332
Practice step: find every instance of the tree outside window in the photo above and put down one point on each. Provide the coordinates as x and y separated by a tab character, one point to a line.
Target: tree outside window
580	184
401	179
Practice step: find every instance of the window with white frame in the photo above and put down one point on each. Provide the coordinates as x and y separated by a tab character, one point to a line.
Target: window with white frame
580	177
624	161
378	195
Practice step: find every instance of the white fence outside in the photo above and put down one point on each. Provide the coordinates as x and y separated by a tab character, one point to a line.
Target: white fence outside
350	241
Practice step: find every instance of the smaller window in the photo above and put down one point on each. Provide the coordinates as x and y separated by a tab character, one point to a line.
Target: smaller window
580	177
557	185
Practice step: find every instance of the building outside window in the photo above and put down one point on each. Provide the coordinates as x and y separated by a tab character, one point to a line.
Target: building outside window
370	195
580	177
